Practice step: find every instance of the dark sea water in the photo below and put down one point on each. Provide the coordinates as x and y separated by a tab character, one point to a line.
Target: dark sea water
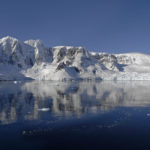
75	115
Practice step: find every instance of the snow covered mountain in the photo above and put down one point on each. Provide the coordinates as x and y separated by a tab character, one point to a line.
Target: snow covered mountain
32	60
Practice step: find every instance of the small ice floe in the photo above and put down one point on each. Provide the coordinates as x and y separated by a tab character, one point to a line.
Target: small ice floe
23	132
15	82
43	109
148	114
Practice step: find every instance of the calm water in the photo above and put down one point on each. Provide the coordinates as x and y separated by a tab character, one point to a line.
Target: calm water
75	115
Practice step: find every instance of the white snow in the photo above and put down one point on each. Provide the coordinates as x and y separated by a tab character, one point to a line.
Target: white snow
33	60
43	109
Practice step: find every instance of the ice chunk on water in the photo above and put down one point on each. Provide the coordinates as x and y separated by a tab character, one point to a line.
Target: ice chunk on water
43	109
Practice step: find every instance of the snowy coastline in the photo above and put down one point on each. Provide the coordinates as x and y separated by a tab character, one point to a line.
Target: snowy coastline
33	60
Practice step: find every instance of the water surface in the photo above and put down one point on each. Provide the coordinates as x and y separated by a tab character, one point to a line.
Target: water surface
74	115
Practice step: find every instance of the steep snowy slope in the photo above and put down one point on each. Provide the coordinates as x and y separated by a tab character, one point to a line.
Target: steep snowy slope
108	60
15	53
134	62
32	60
129	66
41	53
14	56
68	63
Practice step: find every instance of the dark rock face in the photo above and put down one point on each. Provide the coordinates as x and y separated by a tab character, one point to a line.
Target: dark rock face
60	66
108	60
77	69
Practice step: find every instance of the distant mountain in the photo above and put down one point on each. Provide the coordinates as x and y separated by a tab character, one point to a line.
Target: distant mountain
32	60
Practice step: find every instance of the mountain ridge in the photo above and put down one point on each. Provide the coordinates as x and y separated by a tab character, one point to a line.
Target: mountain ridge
31	59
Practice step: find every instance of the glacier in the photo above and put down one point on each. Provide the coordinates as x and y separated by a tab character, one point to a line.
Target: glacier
32	60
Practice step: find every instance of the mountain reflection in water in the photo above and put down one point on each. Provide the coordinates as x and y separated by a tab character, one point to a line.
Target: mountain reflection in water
29	100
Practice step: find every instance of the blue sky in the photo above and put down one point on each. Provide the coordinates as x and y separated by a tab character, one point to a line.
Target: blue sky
114	26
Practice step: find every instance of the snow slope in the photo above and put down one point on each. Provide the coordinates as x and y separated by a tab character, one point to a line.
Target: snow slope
33	60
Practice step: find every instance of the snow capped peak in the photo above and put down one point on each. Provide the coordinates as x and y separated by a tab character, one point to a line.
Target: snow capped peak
9	45
67	47
41	53
34	43
8	39
69	54
60	47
